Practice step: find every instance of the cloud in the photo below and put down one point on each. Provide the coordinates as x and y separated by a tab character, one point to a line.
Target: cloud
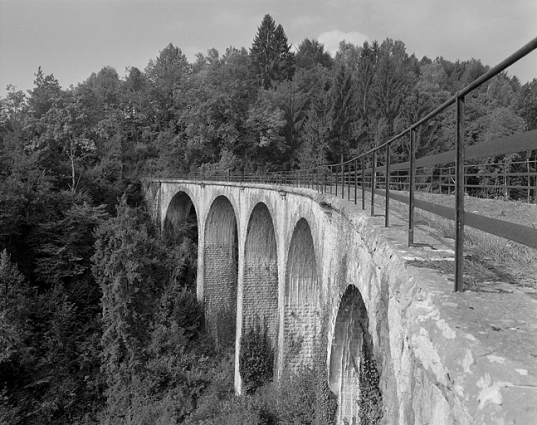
331	39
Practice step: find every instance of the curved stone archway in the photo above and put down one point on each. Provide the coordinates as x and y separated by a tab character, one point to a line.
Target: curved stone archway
353	375
302	311
181	218
260	290
220	271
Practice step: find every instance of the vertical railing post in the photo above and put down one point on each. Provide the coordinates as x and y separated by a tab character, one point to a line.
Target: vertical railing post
342	178
373	178
349	182
337	174
363	183
411	178
355	181
329	177
459	197
387	180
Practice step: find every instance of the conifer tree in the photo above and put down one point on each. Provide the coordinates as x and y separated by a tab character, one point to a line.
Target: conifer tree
342	114
129	267
272	60
311	53
14	292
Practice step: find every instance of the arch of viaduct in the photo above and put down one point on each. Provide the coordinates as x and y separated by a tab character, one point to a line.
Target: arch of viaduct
328	281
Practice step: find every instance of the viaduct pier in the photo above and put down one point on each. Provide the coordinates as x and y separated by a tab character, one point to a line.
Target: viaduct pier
329	280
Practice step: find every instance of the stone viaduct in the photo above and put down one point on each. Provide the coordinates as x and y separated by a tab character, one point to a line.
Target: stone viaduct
329	279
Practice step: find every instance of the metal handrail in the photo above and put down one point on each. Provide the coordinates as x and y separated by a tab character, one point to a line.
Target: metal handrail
321	177
457	99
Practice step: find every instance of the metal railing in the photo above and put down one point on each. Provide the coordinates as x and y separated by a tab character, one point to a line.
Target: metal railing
365	173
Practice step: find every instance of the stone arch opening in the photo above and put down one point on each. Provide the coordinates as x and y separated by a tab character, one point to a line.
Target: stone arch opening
181	218
260	288
353	374
180	227
302	313
221	267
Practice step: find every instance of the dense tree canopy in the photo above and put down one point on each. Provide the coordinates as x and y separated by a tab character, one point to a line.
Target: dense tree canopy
89	320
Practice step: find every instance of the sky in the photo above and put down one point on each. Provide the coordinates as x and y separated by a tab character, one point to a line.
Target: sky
73	38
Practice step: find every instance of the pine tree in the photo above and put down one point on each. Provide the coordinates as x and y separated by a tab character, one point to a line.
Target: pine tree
272	60
311	53
391	83
343	113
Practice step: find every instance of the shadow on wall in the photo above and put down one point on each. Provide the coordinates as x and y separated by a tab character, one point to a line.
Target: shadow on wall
260	290
181	219
302	310
221	272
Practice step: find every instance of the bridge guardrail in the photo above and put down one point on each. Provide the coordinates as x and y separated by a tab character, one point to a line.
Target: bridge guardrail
364	171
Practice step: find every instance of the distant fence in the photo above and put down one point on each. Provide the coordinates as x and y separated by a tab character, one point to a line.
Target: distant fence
516	179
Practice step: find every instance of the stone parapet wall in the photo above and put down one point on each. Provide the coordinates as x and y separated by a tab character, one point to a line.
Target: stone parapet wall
441	356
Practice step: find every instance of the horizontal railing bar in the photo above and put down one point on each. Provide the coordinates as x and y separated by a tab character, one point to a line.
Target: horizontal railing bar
519	54
484	186
516	143
516	232
480	175
523	235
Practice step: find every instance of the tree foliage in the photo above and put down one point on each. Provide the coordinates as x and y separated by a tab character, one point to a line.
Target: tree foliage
256	359
98	320
272	59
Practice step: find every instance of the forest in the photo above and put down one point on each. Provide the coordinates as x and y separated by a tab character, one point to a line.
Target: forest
99	322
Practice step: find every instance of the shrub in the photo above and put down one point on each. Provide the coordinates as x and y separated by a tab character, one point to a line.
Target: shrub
180	306
223	329
370	395
256	357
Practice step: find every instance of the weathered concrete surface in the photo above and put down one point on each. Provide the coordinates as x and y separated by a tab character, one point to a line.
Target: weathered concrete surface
443	357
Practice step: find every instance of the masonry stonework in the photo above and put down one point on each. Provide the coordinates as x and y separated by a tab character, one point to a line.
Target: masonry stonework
220	254
260	282
438	358
350	333
302	320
